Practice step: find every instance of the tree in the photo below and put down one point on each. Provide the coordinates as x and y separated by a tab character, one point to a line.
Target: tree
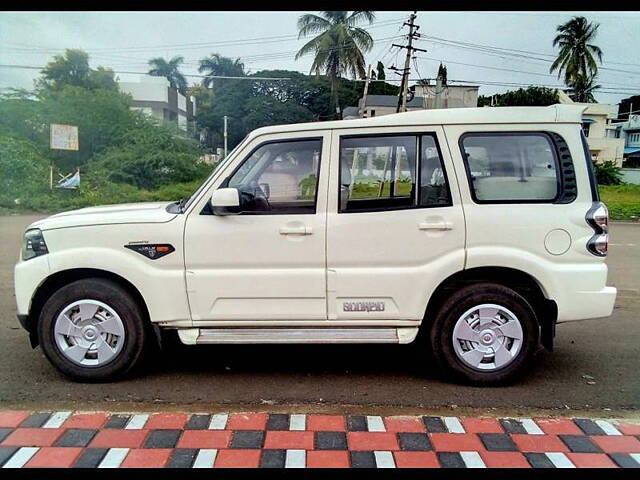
217	65
380	68
340	46
73	69
170	70
576	56
523	97
442	73
582	89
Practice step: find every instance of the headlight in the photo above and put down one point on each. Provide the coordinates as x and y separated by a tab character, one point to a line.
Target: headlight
34	244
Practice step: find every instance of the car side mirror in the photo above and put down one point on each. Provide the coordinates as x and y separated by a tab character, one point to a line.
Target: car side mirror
223	201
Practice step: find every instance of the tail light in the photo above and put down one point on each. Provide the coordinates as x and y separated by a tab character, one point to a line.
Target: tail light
598	218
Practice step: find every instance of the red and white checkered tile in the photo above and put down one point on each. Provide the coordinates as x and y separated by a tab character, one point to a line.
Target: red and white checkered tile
117	440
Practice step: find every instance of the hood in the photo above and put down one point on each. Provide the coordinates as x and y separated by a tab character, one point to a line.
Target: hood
152	212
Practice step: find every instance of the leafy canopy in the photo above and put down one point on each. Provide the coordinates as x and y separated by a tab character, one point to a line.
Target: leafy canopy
170	70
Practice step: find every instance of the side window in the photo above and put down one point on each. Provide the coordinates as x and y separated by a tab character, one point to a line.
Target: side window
379	173
280	177
511	167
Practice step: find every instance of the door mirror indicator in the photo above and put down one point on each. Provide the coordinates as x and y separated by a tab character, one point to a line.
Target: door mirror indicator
223	201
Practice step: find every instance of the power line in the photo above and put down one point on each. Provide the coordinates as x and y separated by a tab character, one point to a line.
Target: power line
238	42
500	51
501	69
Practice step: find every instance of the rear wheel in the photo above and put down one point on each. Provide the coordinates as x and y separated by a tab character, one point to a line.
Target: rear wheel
92	330
485	334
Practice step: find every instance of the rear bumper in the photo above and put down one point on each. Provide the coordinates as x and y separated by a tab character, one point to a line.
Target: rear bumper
588	304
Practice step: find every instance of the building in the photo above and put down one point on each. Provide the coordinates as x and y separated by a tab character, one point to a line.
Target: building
603	134
630	132
424	97
155	97
451	96
377	105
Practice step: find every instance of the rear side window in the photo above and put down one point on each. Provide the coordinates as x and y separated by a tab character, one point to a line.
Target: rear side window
511	167
391	172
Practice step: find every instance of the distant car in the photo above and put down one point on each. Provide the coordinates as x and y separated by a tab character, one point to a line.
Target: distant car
480	227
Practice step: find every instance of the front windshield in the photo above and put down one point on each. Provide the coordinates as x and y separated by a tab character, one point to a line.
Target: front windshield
215	171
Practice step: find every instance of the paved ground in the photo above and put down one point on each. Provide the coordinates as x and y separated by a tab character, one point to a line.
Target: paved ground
593	369
100	439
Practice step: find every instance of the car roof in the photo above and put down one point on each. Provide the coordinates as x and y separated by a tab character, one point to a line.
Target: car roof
559	113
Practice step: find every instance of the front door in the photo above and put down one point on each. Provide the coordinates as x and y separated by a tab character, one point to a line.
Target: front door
267	262
395	224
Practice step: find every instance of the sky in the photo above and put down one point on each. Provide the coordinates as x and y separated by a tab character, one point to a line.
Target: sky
497	50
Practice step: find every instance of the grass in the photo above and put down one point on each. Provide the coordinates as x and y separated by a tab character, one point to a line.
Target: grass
623	201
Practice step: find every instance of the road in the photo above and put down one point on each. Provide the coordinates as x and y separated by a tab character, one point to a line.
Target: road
324	377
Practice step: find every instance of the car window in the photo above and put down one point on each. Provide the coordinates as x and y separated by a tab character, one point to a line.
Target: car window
379	173
511	167
280	177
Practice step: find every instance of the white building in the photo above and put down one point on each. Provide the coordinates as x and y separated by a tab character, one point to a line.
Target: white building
155	97
603	134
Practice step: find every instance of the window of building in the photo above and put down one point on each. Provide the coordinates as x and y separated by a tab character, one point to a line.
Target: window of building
373	113
585	129
510	167
279	177
379	173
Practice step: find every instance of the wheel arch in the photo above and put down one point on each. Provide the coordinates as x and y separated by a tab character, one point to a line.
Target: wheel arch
523	283
61	278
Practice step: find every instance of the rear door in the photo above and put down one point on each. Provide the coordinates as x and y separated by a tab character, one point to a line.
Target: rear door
395	226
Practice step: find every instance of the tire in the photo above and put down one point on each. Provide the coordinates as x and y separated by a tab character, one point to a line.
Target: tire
481	365
117	323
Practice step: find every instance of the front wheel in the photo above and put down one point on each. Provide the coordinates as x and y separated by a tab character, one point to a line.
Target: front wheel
485	334
92	330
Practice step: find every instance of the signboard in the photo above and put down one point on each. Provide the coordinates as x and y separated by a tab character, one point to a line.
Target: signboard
64	137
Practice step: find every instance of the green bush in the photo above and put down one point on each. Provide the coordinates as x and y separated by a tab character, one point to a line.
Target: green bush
608	173
23	169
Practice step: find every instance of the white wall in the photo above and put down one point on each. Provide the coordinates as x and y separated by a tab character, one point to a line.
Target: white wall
148	89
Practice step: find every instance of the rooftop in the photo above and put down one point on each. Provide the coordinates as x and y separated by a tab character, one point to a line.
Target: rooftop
449	116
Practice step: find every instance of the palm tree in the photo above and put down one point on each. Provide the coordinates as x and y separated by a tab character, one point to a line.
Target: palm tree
170	70
576	55
582	89
217	65
340	45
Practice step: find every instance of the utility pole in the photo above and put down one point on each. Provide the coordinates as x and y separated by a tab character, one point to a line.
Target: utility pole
404	85
225	136
366	90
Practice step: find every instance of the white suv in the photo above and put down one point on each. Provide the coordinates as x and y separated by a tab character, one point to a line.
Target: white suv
480	228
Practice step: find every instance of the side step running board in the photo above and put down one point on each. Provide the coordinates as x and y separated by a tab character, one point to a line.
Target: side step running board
198	336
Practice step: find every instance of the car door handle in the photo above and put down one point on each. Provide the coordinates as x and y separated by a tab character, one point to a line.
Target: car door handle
297	230
435	226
